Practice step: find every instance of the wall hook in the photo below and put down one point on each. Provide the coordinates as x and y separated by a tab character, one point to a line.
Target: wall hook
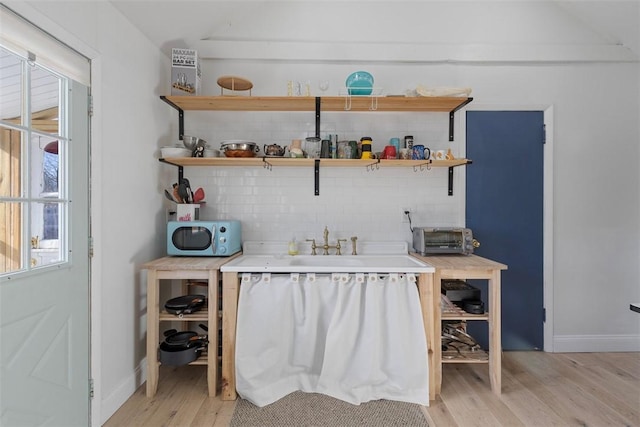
421	167
374	103
347	102
375	164
266	164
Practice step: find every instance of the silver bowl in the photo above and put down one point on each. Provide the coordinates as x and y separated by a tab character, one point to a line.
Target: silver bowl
191	142
239	144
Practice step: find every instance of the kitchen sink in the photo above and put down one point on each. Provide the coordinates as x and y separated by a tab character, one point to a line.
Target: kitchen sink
327	264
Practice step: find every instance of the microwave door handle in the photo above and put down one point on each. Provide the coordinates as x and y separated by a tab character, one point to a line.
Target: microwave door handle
213	239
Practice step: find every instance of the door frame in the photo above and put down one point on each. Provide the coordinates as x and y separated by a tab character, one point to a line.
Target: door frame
547	215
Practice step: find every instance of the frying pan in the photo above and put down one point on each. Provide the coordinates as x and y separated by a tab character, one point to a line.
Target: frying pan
185	304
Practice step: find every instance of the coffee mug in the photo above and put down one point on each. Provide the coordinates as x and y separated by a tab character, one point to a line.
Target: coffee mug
389	152
420	152
405	153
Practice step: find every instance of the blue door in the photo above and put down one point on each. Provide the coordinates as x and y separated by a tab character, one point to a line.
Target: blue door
504	209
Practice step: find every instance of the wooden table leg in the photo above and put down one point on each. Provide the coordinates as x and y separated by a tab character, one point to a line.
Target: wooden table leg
230	289
495	333
427	303
437	333
152	332
212	351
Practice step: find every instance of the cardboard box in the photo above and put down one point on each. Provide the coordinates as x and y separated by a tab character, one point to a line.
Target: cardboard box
188	212
185	72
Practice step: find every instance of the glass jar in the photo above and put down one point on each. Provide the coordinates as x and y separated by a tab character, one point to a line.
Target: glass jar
312	147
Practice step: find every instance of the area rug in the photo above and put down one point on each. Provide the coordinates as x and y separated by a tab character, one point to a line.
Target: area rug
300	409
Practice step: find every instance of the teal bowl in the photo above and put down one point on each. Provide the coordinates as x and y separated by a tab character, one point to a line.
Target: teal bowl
359	83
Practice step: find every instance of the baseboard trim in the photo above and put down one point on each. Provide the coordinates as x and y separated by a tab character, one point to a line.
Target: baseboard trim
595	343
120	395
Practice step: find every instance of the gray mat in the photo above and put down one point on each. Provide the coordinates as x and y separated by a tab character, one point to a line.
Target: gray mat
301	409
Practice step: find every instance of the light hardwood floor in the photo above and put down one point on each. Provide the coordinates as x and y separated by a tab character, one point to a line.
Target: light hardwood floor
538	389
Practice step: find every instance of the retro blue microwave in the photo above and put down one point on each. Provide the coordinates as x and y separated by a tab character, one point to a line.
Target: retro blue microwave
204	238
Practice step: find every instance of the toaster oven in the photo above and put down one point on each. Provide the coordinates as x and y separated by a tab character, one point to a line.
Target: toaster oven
445	240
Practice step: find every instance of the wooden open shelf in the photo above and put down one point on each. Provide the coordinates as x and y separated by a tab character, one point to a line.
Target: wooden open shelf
291	161
318	105
308	103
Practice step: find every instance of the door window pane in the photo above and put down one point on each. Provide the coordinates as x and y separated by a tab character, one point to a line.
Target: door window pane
46	223
44	166
11	232
10	87
10	162
45	98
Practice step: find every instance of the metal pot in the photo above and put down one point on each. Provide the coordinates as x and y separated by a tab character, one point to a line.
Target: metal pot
239	148
273	150
182	348
178	356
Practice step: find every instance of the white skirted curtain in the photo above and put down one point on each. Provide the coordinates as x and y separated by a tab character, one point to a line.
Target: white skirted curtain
356	337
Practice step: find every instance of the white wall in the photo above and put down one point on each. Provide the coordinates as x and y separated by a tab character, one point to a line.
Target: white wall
596	184
128	75
596	178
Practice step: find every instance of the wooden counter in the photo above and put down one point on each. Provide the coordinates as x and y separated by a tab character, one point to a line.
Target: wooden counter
182	268
464	268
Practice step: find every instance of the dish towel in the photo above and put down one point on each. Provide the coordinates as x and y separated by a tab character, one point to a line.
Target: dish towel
355	337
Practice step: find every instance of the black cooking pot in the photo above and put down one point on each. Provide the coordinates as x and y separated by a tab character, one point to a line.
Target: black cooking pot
182	348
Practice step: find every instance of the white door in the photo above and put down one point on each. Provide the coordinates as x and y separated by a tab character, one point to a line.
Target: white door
44	313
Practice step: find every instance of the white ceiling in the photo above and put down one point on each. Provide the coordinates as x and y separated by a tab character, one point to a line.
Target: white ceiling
480	30
228	29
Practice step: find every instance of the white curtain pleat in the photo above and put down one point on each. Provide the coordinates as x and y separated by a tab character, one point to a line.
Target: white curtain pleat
356	339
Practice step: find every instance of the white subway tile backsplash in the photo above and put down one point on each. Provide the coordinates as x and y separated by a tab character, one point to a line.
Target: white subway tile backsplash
279	204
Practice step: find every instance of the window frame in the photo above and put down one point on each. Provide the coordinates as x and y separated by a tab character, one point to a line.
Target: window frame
30	201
